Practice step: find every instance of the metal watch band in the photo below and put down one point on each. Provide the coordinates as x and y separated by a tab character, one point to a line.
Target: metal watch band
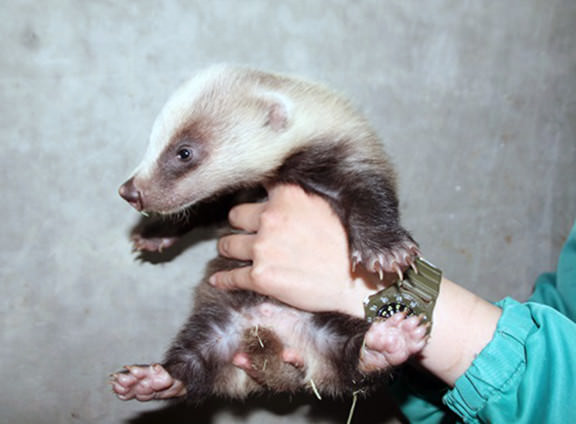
416	294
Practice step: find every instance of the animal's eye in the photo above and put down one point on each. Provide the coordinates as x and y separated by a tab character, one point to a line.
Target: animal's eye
184	154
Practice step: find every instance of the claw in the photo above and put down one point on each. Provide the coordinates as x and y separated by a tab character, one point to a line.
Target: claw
399	273
355	261
380	274
414	267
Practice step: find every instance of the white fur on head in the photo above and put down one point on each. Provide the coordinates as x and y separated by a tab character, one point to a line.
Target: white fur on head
247	123
175	112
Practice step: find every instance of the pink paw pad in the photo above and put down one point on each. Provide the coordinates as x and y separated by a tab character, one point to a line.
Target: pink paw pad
152	244
392	341
146	382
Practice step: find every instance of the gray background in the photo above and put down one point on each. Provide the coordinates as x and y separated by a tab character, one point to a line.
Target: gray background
475	101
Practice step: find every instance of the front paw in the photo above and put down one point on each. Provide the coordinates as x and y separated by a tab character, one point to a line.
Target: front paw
151	244
393	259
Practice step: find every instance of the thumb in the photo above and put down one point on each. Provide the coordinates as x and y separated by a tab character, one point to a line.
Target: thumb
238	278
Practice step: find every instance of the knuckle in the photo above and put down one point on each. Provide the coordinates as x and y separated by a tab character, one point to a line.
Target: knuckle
260	275
256	273
270	218
224	246
259	249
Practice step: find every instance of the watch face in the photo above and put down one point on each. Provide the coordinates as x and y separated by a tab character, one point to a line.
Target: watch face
415	295
389	309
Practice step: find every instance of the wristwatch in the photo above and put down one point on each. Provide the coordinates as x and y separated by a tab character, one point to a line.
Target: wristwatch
416	294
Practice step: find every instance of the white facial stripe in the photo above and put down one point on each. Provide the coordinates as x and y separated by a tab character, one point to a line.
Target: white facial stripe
175	113
241	148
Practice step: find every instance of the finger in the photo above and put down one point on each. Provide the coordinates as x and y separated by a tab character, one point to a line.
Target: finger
246	216
237	246
286	192
238	278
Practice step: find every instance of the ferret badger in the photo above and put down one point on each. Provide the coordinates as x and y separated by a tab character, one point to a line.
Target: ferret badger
232	128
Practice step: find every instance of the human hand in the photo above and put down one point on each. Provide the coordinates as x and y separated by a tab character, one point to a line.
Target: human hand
299	253
300	256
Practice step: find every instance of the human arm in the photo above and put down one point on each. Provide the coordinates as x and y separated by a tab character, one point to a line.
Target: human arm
507	363
299	255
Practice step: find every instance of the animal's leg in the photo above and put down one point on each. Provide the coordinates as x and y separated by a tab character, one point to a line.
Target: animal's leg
152	244
146	382
377	240
156	235
364	197
392	341
393	259
189	368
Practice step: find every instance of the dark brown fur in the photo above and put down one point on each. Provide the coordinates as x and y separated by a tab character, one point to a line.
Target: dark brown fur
349	169
365	201
206	372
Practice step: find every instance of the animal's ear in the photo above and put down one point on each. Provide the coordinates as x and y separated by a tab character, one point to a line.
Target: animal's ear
278	111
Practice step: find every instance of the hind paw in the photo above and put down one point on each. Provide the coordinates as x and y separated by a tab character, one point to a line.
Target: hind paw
392	341
146	382
394	260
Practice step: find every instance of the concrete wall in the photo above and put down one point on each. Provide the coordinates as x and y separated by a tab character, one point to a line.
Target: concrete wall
475	101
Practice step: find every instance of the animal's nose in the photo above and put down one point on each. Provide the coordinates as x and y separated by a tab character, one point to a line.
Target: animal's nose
131	194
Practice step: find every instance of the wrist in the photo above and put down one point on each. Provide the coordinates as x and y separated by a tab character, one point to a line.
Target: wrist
362	285
463	325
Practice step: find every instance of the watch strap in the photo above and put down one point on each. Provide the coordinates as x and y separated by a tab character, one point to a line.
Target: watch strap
416	294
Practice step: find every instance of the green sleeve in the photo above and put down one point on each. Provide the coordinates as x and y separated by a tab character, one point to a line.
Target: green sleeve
526	374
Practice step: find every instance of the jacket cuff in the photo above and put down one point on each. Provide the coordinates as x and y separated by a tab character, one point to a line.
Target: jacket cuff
498	365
